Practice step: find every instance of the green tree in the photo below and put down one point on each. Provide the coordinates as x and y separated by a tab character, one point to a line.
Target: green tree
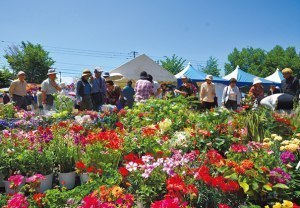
280	58
5	77
211	67
30	58
173	64
249	59
262	63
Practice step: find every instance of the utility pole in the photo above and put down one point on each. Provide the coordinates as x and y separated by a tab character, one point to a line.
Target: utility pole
134	53
59	77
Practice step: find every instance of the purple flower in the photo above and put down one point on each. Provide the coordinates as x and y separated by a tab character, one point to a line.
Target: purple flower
287	157
277	175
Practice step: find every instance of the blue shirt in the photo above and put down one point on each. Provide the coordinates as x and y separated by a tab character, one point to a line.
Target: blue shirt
128	93
99	85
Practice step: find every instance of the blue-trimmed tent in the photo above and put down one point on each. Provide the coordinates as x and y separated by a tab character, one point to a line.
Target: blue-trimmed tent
243	78
276	77
196	75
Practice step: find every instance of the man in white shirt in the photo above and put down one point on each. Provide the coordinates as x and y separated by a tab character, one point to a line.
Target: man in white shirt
49	87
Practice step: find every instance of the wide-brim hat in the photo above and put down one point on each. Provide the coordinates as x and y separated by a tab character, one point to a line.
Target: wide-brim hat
86	72
256	81
183	77
51	71
98	69
20	73
209	77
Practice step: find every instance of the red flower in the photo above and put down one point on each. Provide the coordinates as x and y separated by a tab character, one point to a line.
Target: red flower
120	125
123	171
215	158
238	148
91	169
223	206
80	165
38	199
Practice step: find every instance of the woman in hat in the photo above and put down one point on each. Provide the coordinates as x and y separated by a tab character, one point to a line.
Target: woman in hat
208	93
257	90
290	84
231	97
83	91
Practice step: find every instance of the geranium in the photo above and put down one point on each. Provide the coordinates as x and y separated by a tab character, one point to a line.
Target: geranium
15	181
223	206
90	201
215	158
38	198
238	148
123	171
168	202
37	178
17	201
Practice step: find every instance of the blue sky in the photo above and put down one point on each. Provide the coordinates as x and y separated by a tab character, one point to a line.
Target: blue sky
91	33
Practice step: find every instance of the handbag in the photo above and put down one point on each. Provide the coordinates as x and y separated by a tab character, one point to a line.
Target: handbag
215	101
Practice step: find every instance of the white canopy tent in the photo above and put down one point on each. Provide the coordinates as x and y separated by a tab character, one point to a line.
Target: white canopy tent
132	69
276	77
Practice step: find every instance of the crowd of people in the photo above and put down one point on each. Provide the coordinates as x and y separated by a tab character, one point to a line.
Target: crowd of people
94	91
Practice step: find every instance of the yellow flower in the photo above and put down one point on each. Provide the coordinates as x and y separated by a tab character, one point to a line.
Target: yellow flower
292	147
296	141
278	138
298	135
266	139
282	148
285	142
117	191
273	135
267	206
287	204
277	205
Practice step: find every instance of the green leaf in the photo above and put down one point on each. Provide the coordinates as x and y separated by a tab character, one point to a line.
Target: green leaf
245	186
267	187
255	185
281	185
232	176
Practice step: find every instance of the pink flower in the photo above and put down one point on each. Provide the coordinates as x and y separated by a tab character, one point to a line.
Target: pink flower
35	178
17	201
15	181
90	201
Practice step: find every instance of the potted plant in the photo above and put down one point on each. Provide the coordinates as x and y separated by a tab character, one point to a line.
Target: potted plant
65	154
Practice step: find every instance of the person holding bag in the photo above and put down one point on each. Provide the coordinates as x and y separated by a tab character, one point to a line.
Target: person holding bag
231	97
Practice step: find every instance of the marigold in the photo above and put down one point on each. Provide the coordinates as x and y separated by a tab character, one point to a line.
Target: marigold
247	164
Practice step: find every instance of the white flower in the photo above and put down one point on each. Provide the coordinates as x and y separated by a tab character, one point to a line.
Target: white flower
131	166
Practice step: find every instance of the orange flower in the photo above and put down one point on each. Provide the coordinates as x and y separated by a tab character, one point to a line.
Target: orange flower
247	164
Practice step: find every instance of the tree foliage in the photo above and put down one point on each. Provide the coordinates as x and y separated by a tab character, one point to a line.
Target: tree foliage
173	64
30	58
263	63
5	77
211	67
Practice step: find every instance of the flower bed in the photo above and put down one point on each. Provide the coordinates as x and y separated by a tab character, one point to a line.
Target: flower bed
159	154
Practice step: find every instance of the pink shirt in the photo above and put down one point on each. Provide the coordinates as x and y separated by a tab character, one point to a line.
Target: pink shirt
143	89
